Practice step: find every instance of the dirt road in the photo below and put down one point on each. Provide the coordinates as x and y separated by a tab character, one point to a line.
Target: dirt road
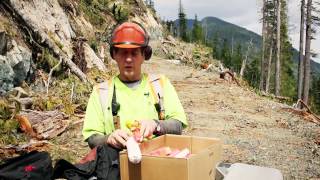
254	129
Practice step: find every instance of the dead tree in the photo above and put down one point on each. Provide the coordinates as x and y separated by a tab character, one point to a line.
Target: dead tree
264	22
301	64
244	62
269	64
306	80
278	65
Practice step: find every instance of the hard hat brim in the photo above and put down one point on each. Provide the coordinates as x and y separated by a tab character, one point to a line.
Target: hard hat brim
127	46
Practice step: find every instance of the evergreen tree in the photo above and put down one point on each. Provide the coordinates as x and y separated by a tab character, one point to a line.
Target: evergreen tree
215	47
252	73
182	24
315	94
288	80
237	58
170	27
225	54
197	33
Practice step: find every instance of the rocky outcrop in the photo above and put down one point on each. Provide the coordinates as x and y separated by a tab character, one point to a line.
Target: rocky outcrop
150	23
56	25
15	64
6	75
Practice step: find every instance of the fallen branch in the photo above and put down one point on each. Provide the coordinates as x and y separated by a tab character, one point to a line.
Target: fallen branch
169	42
307	116
72	92
308	109
77	122
306	113
50	74
79	115
32	145
164	50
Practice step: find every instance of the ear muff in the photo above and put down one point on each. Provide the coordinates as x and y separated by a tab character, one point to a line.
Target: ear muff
111	52
147	52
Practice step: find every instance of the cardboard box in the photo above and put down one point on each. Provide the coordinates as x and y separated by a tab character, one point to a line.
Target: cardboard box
206	153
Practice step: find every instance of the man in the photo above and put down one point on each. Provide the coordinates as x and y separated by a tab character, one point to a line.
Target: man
131	95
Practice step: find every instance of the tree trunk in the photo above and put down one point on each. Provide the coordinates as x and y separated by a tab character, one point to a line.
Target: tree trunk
301	67
306	80
269	66
278	65
244	62
262	74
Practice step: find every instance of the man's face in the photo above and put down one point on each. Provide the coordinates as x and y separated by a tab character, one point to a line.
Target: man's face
129	63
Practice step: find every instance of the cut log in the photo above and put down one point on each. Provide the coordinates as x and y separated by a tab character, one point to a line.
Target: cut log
42	125
223	75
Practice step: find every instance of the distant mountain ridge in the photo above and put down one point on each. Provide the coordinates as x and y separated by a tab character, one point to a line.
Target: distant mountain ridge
213	26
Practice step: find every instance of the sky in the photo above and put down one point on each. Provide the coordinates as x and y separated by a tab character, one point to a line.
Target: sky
244	13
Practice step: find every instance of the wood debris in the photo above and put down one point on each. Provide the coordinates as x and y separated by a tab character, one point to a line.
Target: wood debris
229	76
32	145
306	113
42	125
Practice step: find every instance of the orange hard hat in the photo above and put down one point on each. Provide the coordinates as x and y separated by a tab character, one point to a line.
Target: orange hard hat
129	35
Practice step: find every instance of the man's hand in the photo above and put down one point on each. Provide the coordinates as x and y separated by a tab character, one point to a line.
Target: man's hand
118	138
147	128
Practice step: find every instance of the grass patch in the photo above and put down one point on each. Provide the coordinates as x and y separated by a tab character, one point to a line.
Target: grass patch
9	132
93	10
59	96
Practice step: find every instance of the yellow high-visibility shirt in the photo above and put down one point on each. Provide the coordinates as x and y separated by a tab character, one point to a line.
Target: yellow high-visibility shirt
135	104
